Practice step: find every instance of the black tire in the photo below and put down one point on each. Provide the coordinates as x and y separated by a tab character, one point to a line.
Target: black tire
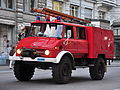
22	71
97	71
62	72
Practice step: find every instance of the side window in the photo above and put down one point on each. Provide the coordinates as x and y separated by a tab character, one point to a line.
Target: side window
81	33
68	32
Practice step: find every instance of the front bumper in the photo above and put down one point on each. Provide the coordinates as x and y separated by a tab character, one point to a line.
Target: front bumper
37	59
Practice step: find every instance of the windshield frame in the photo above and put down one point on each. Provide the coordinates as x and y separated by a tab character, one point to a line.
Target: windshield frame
39	24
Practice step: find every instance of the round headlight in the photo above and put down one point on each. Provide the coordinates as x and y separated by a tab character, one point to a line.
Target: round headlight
47	52
19	51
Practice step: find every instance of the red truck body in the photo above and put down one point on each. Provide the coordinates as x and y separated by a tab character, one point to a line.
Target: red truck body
62	47
98	41
101	41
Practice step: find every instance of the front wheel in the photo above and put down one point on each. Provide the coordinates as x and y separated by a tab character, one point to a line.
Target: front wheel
97	71
22	71
62	72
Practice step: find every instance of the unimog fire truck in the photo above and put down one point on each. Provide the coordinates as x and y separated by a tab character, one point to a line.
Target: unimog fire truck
63	46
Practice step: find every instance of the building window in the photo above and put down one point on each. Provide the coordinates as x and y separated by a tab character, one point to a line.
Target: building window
24	5
117	49
101	15
32	4
88	13
117	32
7	37
28	5
57	6
9	4
0	3
74	10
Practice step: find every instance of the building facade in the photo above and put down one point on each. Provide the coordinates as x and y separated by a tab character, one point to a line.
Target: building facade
98	11
15	13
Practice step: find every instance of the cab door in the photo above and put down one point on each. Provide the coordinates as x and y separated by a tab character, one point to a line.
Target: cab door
82	43
69	41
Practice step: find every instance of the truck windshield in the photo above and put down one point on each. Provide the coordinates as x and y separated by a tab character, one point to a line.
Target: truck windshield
46	30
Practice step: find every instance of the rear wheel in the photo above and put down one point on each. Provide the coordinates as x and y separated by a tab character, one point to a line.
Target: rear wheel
97	71
22	71
62	72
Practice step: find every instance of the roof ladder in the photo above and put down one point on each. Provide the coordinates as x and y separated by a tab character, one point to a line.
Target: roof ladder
63	16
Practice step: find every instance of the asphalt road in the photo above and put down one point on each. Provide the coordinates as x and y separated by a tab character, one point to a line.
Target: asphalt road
42	80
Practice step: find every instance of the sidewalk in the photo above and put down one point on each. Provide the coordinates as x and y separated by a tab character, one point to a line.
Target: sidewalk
4	68
115	63
4	62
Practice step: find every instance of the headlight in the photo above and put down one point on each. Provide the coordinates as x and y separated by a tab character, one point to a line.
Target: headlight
19	51
47	52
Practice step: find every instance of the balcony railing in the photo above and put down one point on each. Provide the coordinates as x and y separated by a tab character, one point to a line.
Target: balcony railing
107	2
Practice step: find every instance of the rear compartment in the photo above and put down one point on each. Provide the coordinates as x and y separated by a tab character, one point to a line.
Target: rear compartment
100	42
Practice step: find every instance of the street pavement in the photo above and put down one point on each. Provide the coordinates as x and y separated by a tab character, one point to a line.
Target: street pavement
42	80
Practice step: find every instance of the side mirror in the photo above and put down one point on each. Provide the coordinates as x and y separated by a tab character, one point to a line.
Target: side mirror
69	34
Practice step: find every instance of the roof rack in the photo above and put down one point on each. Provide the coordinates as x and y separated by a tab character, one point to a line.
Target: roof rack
63	16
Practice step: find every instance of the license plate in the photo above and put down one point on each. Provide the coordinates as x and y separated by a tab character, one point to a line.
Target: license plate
41	59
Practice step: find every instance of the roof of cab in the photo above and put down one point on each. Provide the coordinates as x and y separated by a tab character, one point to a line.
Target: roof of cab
62	23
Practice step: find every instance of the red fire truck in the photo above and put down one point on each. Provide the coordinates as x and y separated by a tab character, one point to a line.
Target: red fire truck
63	46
